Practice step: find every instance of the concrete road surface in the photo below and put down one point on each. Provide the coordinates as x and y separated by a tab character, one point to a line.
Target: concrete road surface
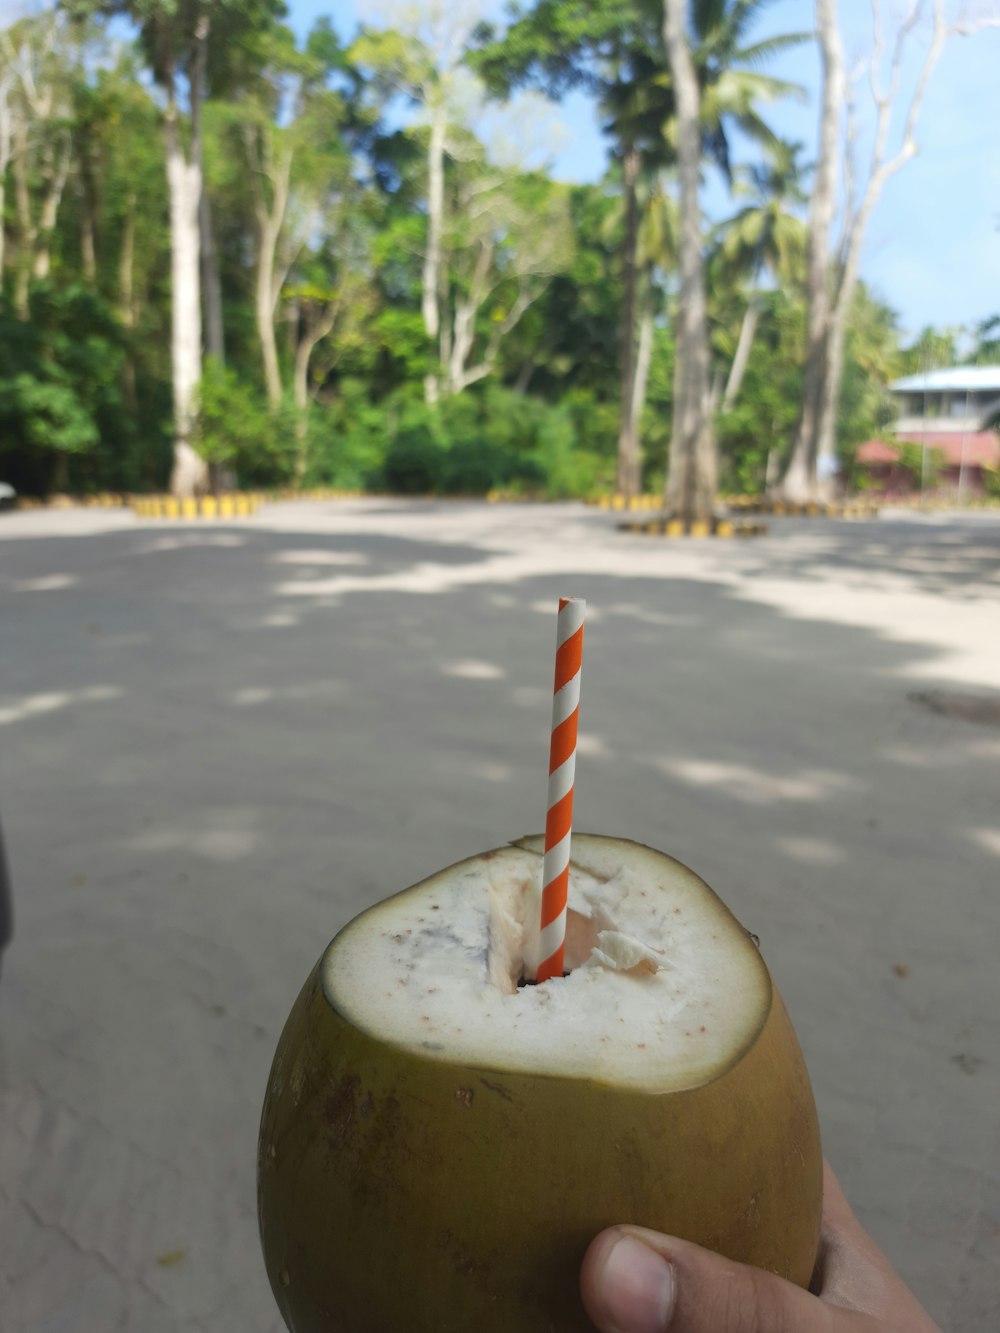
219	741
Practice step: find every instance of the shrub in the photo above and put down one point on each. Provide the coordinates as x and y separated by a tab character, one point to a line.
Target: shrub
60	377
237	430
415	460
567	470
482	440
917	461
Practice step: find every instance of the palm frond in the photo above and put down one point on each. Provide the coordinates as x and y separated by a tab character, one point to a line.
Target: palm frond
760	52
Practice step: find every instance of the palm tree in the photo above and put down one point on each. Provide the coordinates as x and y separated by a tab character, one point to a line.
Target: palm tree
714	75
611	49
655	253
732	88
764	236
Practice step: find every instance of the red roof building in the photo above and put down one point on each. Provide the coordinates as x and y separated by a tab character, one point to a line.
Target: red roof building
978	448
947	411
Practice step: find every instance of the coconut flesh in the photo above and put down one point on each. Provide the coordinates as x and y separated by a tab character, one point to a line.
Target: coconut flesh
440	1141
664	987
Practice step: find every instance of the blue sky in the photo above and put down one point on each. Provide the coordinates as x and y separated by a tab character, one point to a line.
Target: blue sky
932	248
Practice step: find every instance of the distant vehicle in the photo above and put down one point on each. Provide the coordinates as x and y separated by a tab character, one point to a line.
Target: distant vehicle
6	911
7	496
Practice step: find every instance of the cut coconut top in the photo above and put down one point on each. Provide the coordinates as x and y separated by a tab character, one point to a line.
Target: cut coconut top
665	988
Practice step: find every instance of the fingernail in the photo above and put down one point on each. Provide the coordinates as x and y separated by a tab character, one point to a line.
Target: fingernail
636	1287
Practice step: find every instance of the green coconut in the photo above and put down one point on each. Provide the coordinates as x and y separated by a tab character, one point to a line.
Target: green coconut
440	1142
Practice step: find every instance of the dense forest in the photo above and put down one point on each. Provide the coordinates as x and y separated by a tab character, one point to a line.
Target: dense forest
228	255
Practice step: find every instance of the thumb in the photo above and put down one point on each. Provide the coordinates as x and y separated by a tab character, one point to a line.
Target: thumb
637	1281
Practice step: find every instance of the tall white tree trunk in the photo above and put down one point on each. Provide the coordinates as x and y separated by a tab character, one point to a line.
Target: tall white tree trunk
800	478
832	283
741	358
184	180
825	474
270	208
6	148
215	342
317	328
55	173
643	361
856	220
431	278
264	310
126	302
25	222
693	466
88	242
629	470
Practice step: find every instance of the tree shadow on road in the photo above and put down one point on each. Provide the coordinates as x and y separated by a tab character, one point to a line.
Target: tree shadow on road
264	762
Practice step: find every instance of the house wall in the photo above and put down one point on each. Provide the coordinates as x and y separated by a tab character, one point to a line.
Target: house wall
948	411
894	482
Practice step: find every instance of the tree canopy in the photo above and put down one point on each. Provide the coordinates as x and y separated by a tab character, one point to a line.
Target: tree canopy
380	295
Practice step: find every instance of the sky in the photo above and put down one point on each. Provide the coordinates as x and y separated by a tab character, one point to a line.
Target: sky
932	247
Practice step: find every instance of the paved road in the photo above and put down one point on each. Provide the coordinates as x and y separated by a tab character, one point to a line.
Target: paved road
218	742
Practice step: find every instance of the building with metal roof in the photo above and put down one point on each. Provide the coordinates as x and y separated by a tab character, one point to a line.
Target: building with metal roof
953	412
957	379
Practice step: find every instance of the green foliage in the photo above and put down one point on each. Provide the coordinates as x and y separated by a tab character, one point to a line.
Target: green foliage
60	377
871	360
236	430
933	349
533	268
492	439
916	461
759	427
348	439
986	350
658	412
414	462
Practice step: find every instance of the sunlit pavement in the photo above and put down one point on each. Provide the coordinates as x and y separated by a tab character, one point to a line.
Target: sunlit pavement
219	741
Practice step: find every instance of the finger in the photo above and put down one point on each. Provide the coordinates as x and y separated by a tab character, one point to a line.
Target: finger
838	1215
637	1281
854	1274
841	1237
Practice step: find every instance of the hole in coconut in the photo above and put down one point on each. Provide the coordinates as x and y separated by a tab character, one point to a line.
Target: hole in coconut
512	949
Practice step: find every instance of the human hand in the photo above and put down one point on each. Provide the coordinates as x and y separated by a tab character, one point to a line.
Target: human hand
637	1281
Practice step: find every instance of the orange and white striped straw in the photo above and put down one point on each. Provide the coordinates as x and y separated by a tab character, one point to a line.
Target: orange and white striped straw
562	772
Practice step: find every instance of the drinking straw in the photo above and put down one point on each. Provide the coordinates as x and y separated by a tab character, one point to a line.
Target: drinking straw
562	771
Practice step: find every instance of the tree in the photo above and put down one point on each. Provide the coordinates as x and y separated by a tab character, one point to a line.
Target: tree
286	125
494	234
59	386
178	38
833	274
567	342
7	119
763	236
932	349
986	349
332	302
614	52
423	57
174	36
755	432
655	258
692	477
715	84
508	233
38	56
